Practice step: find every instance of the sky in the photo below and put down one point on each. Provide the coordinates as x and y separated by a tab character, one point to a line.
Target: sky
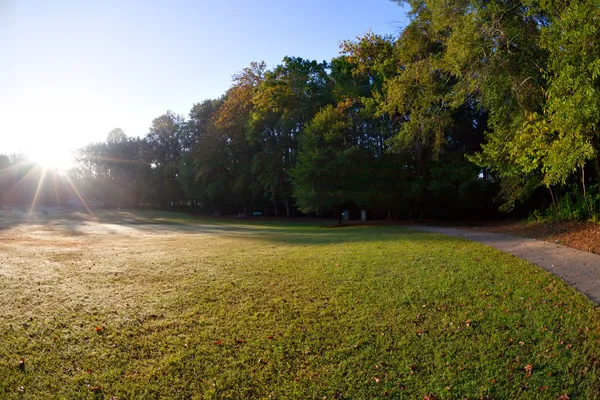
71	71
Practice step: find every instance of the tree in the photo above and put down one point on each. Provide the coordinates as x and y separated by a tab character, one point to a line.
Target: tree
111	173
572	111
234	117
116	136
482	55
284	102
163	152
330	168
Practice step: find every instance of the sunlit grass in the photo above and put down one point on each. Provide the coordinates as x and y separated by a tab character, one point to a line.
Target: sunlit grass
168	306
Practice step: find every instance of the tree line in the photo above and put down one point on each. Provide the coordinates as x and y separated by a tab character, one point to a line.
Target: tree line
475	105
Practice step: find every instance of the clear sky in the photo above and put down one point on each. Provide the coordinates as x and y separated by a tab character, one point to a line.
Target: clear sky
71	71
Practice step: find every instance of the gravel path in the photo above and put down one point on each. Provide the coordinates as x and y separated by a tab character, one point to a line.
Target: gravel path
578	268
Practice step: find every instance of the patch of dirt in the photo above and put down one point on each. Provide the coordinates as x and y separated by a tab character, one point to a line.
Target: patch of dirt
580	235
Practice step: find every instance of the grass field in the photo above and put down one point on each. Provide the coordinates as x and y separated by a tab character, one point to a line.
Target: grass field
150	305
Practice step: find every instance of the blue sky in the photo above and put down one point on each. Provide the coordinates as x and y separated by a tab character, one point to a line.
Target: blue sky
73	70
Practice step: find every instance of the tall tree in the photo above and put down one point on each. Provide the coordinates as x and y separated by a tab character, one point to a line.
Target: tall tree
163	152
331	163
284	102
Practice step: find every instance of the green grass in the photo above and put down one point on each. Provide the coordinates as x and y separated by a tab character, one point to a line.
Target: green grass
191	308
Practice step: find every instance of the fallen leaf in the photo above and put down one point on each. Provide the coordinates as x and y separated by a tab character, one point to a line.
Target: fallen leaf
219	342
529	370
98	329
239	340
270	337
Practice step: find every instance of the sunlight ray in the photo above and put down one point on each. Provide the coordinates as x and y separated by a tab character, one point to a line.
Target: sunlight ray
118	160
23	179
70	182
37	191
20	163
55	189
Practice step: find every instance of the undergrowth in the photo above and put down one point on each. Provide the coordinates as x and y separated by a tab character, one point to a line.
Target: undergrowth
572	206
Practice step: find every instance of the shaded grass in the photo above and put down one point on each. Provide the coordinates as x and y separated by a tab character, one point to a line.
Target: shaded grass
223	310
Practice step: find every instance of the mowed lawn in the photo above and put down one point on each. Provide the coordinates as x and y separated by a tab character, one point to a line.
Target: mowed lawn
158	305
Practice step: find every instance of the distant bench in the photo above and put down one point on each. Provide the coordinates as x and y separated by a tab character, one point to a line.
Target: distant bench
256	214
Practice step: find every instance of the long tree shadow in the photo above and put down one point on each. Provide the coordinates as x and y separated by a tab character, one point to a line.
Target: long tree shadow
78	222
292	233
316	236
23	217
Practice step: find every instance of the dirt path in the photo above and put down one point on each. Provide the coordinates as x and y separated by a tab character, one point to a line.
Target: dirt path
579	268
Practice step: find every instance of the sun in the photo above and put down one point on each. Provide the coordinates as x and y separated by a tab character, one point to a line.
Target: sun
53	158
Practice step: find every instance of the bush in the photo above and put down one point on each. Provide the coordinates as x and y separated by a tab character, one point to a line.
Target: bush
572	206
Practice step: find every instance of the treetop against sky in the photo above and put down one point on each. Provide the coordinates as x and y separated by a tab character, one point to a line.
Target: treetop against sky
72	71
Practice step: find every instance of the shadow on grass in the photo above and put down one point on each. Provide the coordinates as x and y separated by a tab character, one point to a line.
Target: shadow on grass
66	222
78	223
316	236
292	233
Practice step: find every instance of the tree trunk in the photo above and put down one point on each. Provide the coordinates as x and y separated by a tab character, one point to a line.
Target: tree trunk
554	203
598	171
339	212
584	192
597	162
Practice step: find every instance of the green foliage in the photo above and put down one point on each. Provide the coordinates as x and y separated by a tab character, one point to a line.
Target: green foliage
572	206
472	97
284	102
330	163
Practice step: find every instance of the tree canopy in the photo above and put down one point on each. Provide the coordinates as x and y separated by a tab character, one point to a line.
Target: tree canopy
472	101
